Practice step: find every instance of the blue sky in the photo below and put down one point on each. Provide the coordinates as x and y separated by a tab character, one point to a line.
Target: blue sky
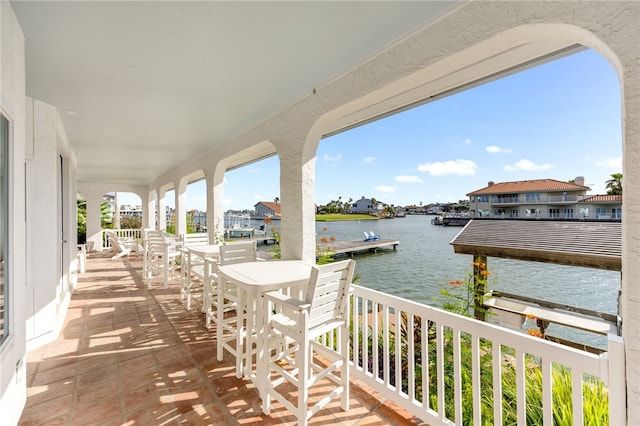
558	120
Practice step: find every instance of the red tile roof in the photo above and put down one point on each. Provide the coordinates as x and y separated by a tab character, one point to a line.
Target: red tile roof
602	199
271	205
536	185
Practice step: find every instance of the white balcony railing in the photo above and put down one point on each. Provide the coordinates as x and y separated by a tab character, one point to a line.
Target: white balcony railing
121	233
449	369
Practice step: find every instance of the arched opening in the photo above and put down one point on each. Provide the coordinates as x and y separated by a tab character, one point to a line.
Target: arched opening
550	123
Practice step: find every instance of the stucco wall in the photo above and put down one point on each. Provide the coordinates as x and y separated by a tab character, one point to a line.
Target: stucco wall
12	102
46	284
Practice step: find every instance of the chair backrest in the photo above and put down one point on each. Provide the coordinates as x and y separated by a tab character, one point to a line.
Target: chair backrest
239	252
328	291
113	240
157	242
195	239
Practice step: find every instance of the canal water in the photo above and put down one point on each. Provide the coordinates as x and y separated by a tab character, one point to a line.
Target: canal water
425	262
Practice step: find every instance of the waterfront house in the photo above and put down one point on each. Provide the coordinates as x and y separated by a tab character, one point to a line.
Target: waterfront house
601	207
543	198
147	97
267	209
367	206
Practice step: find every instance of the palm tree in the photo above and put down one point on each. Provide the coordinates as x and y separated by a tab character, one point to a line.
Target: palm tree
614	185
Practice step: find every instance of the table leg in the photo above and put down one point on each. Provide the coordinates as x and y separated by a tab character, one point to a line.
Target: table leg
240	332
220	316
251	322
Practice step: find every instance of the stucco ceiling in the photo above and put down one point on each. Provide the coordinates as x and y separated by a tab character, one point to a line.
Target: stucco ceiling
143	87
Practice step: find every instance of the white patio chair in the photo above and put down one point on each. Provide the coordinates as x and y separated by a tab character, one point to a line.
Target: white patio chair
293	336
122	246
163	257
224	312
192	267
145	253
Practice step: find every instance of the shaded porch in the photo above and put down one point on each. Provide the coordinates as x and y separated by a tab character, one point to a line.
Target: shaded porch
131	355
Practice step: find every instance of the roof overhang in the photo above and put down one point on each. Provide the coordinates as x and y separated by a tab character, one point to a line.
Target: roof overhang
591	244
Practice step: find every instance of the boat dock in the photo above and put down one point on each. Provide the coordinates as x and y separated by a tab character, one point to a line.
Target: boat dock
259	239
349	248
450	220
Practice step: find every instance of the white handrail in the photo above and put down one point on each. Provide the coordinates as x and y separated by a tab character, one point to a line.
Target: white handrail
382	361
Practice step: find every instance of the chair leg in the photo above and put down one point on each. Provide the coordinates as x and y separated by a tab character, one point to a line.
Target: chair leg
344	370
303	357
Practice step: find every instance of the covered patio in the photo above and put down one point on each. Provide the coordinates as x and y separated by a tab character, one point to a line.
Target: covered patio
128	354
148	97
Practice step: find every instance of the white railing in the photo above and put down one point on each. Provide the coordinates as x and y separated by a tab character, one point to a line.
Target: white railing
121	233
449	369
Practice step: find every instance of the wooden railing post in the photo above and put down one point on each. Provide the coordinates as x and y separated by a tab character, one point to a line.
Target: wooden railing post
479	286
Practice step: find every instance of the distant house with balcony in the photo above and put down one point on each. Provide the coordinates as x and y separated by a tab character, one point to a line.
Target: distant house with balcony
367	206
602	206
267	209
543	198
127	210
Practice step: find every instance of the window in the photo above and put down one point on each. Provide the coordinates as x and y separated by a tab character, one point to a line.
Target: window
4	223
483	198
568	213
533	196
601	213
616	213
532	212
554	213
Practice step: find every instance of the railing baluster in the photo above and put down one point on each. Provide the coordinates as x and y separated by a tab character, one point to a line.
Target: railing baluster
374	341
356	330
477	382
425	361
576	387
365	335
547	392
496	349
521	396
440	364
411	357
385	346
398	346
457	376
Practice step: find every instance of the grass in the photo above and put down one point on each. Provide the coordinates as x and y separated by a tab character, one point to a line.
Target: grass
335	216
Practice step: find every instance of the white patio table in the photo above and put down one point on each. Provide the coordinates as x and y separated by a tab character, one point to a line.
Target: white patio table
210	254
253	279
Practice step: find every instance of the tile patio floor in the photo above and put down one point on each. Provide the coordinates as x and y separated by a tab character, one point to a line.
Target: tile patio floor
129	355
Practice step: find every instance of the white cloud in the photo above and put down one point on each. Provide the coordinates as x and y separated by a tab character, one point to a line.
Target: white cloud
493	149
467	141
385	188
408	179
331	159
528	166
457	167
369	160
612	163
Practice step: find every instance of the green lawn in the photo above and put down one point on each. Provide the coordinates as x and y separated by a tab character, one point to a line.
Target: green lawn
332	217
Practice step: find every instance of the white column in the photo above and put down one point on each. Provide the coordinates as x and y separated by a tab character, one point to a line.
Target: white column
181	207
116	211
215	205
94	224
162	210
297	198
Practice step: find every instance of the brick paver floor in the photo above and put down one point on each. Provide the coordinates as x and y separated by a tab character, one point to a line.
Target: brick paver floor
132	355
